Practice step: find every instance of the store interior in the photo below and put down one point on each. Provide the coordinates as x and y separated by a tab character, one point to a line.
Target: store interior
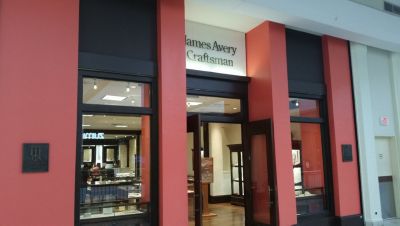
224	204
115	166
115	150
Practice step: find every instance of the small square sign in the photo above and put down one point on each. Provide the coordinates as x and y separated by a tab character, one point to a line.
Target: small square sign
347	154
35	158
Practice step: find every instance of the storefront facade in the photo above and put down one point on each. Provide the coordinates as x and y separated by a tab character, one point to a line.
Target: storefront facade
116	91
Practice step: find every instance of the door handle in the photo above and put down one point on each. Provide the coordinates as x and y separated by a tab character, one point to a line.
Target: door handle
271	204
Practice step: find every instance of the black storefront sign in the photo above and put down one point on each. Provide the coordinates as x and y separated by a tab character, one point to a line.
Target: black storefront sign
35	158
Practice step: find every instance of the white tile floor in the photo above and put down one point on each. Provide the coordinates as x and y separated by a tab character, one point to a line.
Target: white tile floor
391	222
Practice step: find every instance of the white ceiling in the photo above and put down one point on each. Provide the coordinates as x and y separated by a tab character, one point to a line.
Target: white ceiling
339	18
212	104
134	95
200	11
110	122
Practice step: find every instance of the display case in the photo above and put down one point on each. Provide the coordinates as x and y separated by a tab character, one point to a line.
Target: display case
297	167
237	181
113	195
309	198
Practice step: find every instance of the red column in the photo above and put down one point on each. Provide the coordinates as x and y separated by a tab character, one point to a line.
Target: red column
269	98
172	113
341	125
145	147
38	99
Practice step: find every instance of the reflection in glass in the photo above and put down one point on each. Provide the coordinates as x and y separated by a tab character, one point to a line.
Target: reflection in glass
259	183
110	154
304	107
117	181
118	93
308	168
87	155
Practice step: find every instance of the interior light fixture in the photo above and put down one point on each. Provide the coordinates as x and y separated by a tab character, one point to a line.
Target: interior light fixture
193	103
297	103
235	108
121	126
113	98
87	115
86	125
133	86
133	101
95	85
127	88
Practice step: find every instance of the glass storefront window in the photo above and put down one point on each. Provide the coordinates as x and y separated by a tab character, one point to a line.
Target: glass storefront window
207	104
304	107
308	168
115	166
118	93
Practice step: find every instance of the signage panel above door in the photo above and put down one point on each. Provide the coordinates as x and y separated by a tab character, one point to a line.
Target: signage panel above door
214	49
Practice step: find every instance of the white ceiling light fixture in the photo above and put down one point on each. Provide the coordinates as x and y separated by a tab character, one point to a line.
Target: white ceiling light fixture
95	85
120	126
193	103
87	115
133	101
128	89
86	125
113	98
133	86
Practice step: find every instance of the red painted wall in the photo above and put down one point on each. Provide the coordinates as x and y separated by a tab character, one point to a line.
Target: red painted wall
172	113
269	98
38	99
311	152
145	141
341	125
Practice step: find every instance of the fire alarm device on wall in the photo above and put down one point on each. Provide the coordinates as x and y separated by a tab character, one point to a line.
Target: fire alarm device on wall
384	120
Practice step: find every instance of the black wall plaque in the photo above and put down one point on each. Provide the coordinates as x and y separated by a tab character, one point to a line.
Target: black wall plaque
35	158
347	154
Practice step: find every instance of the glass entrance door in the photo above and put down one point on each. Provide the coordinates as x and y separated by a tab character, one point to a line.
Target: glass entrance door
260	209
194	183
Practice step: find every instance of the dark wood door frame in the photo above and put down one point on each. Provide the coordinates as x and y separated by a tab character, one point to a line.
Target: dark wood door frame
256	128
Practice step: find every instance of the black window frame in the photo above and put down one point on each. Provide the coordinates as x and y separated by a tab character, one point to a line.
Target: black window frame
152	217
322	120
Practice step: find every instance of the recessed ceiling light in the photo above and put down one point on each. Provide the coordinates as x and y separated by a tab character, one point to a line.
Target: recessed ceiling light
86	125
235	108
193	103
121	126
113	98
87	115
